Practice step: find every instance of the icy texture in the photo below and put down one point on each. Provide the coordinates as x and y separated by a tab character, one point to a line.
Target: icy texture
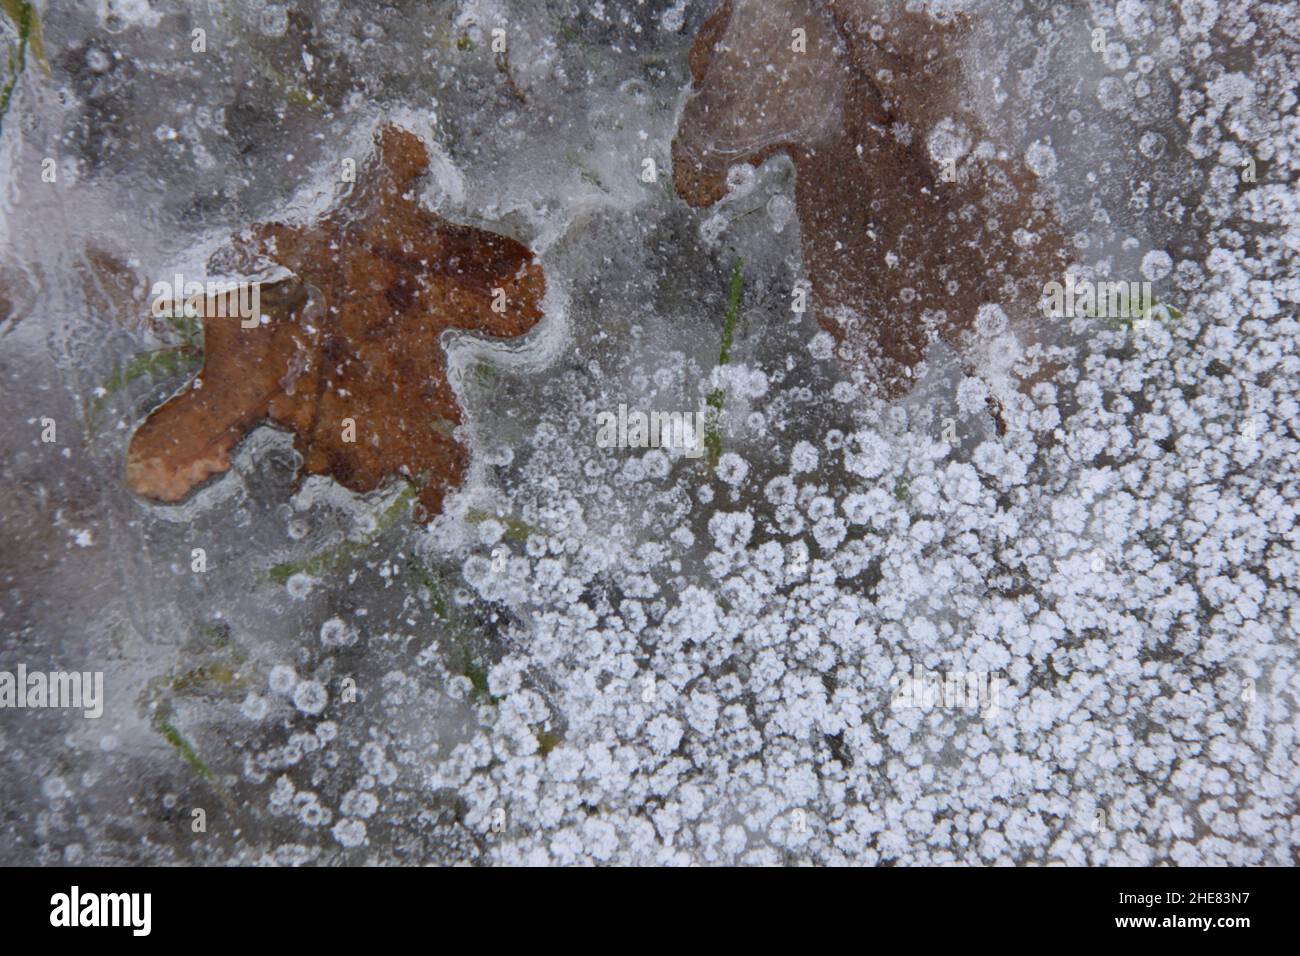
623	654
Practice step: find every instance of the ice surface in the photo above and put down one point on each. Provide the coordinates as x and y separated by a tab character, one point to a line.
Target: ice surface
629	654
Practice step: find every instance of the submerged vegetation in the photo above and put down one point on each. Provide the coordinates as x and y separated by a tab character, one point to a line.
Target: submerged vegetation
28	26
347	552
182	356
718	397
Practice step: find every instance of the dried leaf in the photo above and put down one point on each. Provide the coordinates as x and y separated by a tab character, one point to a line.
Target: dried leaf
17	297
378	280
860	101
113	289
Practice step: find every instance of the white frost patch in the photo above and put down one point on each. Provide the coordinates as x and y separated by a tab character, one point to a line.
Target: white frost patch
949	141
310	697
1041	159
1157	264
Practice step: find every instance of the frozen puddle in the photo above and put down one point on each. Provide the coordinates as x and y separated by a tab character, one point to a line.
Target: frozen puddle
782	432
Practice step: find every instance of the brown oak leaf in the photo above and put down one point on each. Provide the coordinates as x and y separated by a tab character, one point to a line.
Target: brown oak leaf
866	99
353	340
114	289
17	295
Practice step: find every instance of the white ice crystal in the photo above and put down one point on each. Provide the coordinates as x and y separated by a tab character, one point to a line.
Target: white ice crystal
1156	264
1041	159
282	679
350	832
337	633
732	468
310	697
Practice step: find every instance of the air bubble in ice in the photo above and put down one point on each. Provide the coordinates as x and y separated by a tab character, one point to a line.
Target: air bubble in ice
780	209
359	803
1112	93
1151	145
732	468
1157	264
274	20
656	464
299	585
337	633
822	346
740	179
282	679
254	707
804	457
1116	56
990	320
948	141
1041	159
310	697
350	833
490	531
